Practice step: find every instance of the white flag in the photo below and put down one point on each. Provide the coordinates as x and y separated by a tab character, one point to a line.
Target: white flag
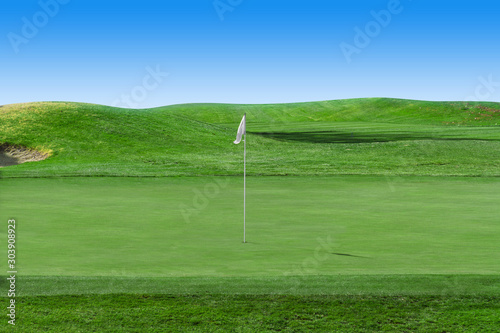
241	130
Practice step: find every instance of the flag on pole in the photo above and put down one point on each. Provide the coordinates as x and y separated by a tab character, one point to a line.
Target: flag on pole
241	130
242	133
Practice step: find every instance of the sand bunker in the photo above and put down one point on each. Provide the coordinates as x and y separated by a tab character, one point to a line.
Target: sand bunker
14	154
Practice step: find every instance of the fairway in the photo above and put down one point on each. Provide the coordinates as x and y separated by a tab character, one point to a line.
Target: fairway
362	215
176	227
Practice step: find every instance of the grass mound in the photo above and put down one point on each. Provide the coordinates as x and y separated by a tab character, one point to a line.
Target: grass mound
359	136
386	110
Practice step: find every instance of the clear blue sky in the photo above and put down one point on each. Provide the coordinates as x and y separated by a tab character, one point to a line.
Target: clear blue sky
263	51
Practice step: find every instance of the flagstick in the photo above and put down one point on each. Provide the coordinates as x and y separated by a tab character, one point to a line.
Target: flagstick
244	182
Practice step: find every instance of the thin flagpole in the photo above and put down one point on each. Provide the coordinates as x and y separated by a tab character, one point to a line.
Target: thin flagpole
244	180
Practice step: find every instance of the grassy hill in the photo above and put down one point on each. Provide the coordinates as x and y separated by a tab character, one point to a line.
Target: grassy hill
359	136
361	240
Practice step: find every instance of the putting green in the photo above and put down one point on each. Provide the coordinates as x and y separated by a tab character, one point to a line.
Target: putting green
176	227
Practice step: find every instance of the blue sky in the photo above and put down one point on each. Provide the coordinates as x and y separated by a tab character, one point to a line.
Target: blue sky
247	51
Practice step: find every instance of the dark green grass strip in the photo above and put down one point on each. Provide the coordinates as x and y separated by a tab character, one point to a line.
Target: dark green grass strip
257	313
377	285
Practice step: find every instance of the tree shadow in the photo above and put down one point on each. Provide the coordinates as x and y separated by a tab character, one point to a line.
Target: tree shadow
352	137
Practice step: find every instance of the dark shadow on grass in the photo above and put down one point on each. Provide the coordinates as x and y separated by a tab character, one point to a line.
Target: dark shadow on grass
352	137
348	255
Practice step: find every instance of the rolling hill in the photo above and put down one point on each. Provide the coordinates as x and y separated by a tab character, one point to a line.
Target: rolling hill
358	136
375	233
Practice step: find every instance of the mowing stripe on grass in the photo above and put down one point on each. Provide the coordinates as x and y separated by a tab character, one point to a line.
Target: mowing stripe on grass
296	226
375	285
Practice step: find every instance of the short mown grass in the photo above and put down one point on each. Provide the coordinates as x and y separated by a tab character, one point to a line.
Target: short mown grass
363	215
193	226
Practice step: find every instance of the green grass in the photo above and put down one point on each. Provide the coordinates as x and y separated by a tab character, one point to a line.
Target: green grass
296	225
259	313
423	247
367	136
341	284
373	215
131	262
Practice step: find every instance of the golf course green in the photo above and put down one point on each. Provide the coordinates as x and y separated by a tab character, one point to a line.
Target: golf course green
362	215
153	227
